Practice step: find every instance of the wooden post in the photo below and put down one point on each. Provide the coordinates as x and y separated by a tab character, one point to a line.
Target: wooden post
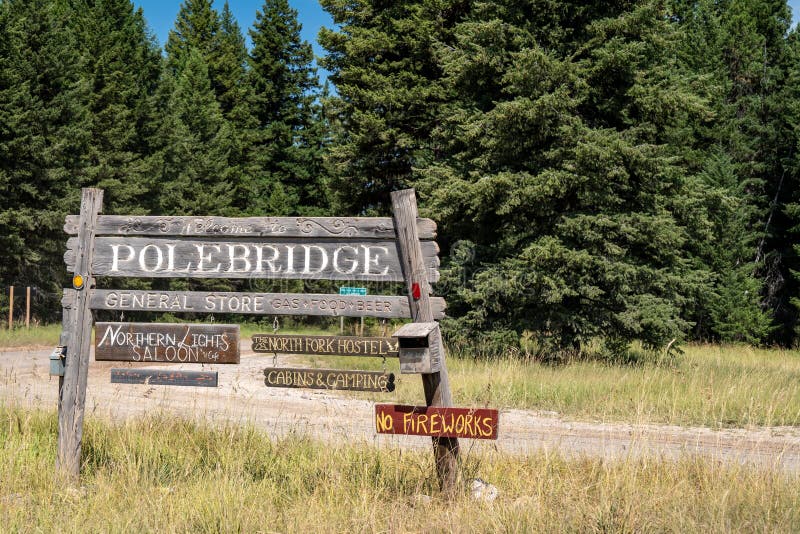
436	385
77	333
11	307
28	307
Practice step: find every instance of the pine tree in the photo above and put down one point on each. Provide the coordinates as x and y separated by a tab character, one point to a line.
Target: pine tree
122	70
563	177
196	28
44	133
740	46
382	62
286	154
196	143
230	77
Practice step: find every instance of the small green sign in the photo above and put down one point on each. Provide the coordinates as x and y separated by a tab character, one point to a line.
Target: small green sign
362	291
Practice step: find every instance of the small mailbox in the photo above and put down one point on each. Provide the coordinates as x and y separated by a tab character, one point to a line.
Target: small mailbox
419	346
57	361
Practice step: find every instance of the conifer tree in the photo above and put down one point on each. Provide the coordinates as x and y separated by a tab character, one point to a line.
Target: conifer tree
230	78
122	69
741	48
44	132
196	28
286	156
563	178
219	40
381	58
196	143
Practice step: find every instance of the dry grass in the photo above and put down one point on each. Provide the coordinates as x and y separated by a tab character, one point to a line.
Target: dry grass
710	385
36	335
168	475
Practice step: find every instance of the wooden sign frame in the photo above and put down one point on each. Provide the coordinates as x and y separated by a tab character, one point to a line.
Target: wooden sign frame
399	248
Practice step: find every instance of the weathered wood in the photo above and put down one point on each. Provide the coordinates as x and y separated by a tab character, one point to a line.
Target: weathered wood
336	227
325	345
318	304
333	379
68	303
436	385
167	342
416	330
28	307
164	377
473	423
176	258
72	389
11	307
419	347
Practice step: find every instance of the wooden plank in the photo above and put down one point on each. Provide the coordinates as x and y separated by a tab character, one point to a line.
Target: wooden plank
472	423
381	347
167	342
335	227
317	304
176	258
68	303
331	379
436	385
413	330
72	389
165	377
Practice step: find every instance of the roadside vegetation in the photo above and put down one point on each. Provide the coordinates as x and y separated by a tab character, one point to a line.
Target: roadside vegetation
166	474
709	385
30	337
719	386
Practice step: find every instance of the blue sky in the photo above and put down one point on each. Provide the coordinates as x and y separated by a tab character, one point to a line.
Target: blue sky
160	15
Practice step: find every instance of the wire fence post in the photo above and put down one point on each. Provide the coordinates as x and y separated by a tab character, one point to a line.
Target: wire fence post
11	307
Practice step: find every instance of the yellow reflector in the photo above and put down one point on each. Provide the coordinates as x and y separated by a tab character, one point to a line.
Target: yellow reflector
77	281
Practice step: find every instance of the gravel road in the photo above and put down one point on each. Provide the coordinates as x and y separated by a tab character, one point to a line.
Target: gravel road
242	397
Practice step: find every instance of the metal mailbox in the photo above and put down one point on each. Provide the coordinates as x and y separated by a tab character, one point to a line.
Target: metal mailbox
419	347
57	361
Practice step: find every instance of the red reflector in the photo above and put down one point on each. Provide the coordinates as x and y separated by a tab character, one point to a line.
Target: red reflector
415	291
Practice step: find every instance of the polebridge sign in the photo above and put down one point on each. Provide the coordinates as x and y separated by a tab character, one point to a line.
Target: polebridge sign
400	248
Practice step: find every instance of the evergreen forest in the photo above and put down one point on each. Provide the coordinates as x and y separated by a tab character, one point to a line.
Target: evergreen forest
614	172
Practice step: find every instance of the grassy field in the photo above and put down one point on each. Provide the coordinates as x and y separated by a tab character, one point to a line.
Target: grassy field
716	386
38	335
163	474
710	385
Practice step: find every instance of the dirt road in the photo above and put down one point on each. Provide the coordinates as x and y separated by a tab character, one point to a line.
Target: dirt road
242	397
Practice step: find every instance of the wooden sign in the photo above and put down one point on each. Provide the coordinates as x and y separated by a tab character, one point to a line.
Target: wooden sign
332	227
476	423
167	342
282	377
344	249
180	258
386	306
163	377
325	345
353	291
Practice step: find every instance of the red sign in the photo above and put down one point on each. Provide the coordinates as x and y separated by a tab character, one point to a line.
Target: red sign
476	423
